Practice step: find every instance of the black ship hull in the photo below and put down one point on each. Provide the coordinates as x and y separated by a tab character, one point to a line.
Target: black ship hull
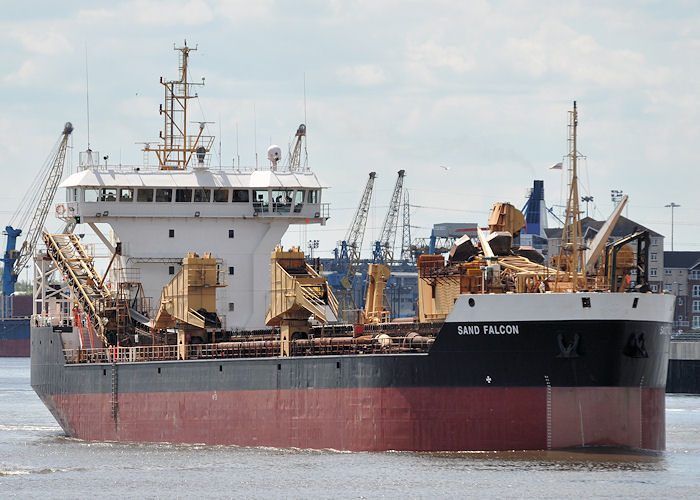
517	383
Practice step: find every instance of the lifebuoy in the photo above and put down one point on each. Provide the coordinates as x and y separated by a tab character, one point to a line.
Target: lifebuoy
60	209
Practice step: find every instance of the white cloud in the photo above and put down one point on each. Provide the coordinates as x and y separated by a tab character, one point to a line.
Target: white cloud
94	15
365	75
425	59
163	12
41	42
27	74
556	49
235	10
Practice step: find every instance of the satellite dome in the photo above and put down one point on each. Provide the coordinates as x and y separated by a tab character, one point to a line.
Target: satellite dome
274	154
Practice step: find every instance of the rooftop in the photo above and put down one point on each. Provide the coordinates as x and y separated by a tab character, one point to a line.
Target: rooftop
681	260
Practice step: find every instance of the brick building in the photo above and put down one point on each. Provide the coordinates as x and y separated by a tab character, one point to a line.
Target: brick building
682	278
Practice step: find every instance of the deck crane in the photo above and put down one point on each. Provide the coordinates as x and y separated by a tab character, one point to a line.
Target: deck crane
37	203
295	155
349	258
376	303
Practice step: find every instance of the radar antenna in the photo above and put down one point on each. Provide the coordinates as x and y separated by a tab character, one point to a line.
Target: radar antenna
177	149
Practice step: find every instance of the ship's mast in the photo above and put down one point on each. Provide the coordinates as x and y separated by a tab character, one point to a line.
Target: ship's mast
177	148
571	252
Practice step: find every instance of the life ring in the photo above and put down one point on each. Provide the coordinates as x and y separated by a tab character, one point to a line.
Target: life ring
60	209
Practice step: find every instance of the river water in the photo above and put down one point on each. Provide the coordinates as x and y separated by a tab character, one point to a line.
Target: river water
38	461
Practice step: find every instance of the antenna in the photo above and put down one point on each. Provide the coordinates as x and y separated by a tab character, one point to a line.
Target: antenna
306	142
238	155
87	96
255	134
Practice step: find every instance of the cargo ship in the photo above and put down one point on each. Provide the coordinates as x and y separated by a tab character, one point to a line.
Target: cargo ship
14	330
506	353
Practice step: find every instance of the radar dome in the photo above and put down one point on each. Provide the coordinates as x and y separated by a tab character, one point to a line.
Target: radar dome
274	154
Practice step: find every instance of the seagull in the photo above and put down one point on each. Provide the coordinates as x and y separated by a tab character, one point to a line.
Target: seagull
444	167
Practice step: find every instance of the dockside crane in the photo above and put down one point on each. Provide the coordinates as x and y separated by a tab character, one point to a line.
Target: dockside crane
349	256
383	252
376	308
36	203
407	252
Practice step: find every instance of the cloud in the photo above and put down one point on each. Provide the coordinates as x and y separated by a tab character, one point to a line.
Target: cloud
94	15
557	50
235	10
26	74
365	75
424	60
41	42
162	12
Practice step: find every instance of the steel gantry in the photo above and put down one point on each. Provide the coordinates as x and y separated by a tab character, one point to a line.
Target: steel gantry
350	247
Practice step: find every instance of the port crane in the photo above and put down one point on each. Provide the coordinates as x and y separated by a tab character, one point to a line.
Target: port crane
349	255
383	252
39	198
376	303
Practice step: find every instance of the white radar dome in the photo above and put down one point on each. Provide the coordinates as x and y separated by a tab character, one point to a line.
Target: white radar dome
274	154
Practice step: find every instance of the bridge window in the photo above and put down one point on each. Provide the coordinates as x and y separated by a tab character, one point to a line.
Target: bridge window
92	195
261	196
171	269
230	306
230	270
144	195
221	195
282	200
126	194
202	195
171	233
241	196
230	233
182	195
313	196
298	200
164	195
108	194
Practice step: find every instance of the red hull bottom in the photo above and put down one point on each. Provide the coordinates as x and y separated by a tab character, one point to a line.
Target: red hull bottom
11	348
412	419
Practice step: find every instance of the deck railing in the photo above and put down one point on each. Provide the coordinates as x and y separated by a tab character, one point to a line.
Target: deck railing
383	344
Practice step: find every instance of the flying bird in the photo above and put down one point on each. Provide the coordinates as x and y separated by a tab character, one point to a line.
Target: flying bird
444	167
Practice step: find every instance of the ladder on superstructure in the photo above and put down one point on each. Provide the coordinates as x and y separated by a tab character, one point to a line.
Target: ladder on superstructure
91	293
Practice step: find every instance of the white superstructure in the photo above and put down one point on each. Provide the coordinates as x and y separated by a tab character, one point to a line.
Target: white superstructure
159	214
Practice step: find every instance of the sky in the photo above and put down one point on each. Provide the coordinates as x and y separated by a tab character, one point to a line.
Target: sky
481	87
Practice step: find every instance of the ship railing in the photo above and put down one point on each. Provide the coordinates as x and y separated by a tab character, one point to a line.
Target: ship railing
383	344
96	163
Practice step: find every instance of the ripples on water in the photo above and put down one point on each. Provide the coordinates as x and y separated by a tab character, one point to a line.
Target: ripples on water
37	460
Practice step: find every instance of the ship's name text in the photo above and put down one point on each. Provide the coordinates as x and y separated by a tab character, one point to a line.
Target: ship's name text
488	329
